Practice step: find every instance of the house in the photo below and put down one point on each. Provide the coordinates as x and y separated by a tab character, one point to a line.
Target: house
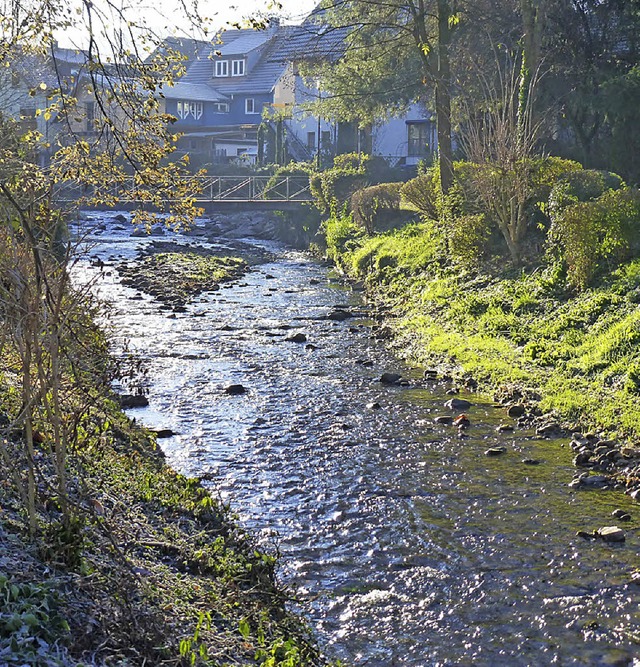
218	104
242	98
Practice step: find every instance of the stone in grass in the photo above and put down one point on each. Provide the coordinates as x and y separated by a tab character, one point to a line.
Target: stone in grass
621	515
235	389
390	378
458	404
495	451
443	419
611	534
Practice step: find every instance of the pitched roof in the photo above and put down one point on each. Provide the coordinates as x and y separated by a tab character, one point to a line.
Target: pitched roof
314	38
262	77
198	92
242	42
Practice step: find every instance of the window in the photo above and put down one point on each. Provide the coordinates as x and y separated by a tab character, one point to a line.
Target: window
221	107
418	139
325	139
195	109
250	105
185	109
237	67
90	114
311	140
221	68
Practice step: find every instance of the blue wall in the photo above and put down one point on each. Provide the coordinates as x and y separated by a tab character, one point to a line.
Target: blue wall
210	117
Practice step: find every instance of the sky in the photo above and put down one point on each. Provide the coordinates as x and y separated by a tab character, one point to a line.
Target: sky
165	17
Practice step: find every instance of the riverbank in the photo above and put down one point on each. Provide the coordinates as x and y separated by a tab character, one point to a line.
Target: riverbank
136	564
568	362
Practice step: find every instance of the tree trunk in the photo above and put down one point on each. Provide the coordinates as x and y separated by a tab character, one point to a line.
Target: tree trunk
443	98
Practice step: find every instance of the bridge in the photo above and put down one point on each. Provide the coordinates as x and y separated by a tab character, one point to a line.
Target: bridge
223	192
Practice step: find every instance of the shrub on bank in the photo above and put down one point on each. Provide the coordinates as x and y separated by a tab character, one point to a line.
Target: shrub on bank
421	194
581	186
377	208
342	235
597	235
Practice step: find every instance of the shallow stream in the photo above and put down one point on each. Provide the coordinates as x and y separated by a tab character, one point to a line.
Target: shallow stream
406	544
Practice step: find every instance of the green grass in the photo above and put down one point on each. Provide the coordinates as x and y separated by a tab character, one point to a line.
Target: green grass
580	351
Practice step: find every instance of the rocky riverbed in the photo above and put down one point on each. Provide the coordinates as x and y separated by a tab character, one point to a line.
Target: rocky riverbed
416	529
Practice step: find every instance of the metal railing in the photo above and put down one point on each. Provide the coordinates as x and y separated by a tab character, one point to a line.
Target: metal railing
216	189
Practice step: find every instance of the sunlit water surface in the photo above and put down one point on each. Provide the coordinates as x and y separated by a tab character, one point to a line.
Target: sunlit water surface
406	544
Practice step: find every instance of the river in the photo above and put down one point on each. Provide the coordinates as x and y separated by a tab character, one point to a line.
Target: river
406	544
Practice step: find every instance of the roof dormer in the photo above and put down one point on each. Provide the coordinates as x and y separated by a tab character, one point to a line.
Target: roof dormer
234	66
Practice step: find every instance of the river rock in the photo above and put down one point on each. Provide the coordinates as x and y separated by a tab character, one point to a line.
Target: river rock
443	419
119	218
582	459
461	421
390	378
495	451
586	535
621	515
296	338
531	462
458	404
164	433
374	406
235	389
133	401
630	452
430	374
516	411
611	534
339	315
504	428
548	430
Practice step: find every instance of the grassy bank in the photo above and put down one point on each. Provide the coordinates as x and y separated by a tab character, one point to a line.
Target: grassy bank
577	352
107	555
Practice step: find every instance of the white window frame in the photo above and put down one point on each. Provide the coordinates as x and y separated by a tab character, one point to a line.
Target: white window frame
221	107
221	68
250	106
184	109
237	67
196	110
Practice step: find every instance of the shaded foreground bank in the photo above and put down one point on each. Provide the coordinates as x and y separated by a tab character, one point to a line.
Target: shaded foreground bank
129	562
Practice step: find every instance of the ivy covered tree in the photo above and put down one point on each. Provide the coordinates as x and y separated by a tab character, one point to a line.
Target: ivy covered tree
389	54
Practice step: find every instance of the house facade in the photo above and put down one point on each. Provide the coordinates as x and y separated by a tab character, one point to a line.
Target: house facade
242	99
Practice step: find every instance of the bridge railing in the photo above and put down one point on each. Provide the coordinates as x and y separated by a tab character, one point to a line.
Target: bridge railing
254	188
213	189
